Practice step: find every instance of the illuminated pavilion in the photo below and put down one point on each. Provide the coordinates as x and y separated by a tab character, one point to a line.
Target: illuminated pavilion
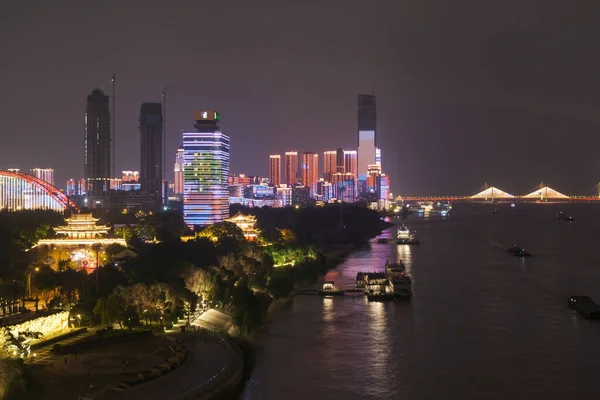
82	241
247	223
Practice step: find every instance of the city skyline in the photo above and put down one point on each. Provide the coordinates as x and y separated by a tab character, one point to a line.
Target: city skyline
443	111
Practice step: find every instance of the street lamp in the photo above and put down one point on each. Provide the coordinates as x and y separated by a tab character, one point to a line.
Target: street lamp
36	269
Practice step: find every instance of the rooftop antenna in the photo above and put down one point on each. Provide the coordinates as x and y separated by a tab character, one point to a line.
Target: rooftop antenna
164	136
373	88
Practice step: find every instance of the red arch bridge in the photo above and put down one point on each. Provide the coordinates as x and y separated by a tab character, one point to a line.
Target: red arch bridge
20	191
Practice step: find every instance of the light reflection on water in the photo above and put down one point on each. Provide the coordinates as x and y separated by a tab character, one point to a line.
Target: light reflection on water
481	324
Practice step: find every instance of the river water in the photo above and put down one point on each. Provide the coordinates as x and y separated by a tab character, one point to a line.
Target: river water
481	324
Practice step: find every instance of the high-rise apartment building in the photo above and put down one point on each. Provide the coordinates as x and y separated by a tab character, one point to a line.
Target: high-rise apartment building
291	167
97	147
130	176
71	188
151	133
275	169
343	186
350	162
329	164
310	171
45	174
205	171
178	172
374	172
367	127
339	161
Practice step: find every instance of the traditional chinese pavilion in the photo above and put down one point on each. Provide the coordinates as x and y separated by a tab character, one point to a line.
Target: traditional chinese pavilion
247	223
82	241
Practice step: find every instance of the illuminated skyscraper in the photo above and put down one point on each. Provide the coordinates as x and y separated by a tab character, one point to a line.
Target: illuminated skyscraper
275	169
97	146
329	164
343	186
130	176
339	161
310	171
178	172
378	156
71	188
350	162
45	174
151	132
367	126
291	167
205	172
384	187
374	173
351	165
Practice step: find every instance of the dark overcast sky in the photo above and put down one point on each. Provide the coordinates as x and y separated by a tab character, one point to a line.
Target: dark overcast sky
504	92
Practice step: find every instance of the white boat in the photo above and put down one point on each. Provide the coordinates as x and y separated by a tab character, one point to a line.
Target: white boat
405	236
400	283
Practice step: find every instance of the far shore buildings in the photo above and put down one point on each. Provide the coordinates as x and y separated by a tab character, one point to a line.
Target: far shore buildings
82	241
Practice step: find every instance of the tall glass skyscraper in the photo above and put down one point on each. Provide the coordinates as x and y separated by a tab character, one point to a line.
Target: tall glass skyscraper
151	132
205	172
97	146
367	126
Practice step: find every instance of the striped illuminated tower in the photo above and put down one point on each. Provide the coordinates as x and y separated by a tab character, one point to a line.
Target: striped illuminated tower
291	167
205	172
310	171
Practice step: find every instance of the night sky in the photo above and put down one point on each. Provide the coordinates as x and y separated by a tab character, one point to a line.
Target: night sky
504	92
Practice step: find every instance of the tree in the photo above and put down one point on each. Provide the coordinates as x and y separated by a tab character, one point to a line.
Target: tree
65	264
101	311
46	280
222	230
201	282
115	308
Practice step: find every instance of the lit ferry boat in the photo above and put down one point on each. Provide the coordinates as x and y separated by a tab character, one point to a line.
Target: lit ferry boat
400	283
406	237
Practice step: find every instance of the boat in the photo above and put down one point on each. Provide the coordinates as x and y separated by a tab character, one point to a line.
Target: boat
382	240
405	236
585	306
380	296
518	251
400	283
329	289
495	211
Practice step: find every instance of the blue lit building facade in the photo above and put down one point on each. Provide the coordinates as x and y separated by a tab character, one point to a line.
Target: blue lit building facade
205	172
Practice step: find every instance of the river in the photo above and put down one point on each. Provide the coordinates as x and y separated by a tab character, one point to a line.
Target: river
481	324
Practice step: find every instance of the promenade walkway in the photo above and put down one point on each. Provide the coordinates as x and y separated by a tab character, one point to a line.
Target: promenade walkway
211	361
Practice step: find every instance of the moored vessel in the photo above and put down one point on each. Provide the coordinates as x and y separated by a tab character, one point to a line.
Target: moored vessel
329	289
